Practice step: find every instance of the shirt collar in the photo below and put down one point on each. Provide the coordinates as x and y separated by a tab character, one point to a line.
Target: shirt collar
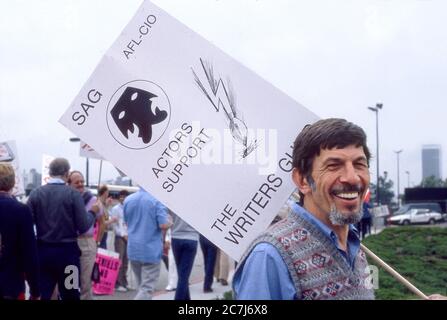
56	181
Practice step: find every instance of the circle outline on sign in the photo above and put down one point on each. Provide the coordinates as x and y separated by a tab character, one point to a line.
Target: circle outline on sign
167	124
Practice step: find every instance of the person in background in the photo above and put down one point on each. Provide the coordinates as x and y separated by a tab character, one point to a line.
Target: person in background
60	215
120	228
222	267
184	240
86	241
104	222
365	223
18	249
172	269
165	253
209	251
146	218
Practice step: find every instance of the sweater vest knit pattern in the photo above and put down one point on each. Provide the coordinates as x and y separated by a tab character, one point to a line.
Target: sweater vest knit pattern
318	270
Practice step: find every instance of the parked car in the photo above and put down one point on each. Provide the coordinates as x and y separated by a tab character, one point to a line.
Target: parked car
414	216
433	206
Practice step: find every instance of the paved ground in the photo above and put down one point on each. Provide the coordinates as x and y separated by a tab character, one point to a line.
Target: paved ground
196	284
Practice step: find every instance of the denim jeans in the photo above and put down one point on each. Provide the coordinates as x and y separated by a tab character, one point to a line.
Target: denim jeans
209	251
184	254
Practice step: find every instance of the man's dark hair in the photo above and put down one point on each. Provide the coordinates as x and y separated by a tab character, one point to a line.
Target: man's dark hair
123	193
102	189
59	167
325	134
70	175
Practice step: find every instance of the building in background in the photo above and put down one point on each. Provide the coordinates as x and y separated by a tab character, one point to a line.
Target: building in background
32	179
431	161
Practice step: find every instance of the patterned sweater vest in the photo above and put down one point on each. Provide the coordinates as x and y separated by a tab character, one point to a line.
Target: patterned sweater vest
317	268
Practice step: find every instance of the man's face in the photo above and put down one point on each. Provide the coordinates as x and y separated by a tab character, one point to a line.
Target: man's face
340	180
104	196
77	182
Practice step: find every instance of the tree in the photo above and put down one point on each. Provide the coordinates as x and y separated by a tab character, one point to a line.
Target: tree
385	190
433	182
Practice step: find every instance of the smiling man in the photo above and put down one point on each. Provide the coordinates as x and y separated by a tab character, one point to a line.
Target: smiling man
315	252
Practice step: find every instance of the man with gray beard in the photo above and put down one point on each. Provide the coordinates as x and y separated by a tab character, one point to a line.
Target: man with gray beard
315	252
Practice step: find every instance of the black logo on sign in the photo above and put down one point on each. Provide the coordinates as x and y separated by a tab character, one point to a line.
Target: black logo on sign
139	114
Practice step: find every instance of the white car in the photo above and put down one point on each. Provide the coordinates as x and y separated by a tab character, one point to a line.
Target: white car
414	216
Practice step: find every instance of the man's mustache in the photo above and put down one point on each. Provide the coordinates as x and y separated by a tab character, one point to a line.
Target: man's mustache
346	187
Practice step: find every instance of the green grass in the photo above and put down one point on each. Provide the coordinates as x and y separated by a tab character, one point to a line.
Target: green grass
417	253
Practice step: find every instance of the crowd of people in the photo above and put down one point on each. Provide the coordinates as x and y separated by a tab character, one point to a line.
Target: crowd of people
312	253
51	242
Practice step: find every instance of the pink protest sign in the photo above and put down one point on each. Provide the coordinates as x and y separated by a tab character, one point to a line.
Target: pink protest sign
109	265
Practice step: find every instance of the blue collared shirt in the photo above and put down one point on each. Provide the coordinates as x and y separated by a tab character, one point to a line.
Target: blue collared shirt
265	276
144	214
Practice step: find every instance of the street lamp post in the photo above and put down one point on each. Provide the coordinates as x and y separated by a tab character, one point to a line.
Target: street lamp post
86	162
398	174
376	110
408	177
86	172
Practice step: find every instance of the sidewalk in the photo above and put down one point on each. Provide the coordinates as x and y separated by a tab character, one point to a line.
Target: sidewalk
195	280
195	289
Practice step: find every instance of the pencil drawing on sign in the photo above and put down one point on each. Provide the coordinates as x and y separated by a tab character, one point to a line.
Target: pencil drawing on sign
138	114
222	96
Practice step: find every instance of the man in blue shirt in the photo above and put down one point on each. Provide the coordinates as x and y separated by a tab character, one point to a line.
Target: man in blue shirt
146	218
315	252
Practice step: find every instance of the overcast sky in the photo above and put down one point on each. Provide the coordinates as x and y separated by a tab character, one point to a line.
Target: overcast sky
334	57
